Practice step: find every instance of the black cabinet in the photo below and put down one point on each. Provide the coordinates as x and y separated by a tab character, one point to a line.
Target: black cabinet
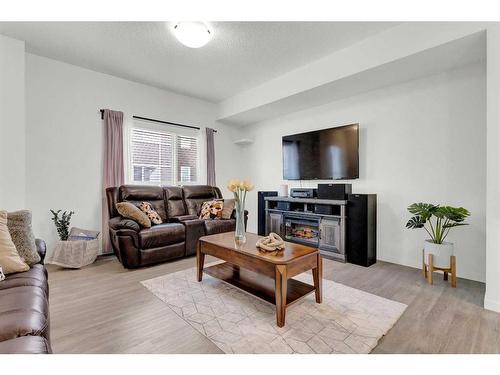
261	210
361	229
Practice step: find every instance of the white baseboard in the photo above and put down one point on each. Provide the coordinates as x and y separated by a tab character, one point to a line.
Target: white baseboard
491	304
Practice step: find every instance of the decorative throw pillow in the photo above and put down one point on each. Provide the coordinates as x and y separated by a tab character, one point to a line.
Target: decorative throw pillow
10	260
130	211
19	225
211	210
227	209
152	214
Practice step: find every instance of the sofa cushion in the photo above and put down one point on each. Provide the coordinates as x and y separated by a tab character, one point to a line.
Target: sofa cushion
196	195
174	201
211	209
36	276
227	210
25	345
19	224
24	311
161	235
151	213
219	226
10	260
130	211
137	194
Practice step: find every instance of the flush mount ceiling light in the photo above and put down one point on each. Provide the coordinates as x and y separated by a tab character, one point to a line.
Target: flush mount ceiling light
192	34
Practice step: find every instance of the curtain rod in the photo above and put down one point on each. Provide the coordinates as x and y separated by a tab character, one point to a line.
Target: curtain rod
159	121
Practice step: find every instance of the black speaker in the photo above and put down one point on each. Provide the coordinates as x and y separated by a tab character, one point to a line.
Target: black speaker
334	191
261	210
361	229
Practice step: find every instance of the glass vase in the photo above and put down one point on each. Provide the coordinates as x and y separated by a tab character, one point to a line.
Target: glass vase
239	234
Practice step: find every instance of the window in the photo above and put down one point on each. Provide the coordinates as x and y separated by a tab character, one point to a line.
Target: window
187	159
162	157
185	174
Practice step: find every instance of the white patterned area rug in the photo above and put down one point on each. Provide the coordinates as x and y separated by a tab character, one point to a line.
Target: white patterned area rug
348	321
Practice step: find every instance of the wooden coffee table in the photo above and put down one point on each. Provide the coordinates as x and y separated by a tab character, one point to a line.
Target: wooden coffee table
264	275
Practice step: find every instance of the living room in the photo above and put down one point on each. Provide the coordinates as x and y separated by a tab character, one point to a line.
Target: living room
156	179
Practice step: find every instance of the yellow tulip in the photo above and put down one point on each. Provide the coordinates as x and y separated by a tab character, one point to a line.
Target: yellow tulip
248	186
232	185
237	186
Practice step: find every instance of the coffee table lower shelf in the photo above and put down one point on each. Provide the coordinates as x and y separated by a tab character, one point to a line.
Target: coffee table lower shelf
257	284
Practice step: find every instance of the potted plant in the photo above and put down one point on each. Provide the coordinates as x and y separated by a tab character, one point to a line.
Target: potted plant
62	223
437	221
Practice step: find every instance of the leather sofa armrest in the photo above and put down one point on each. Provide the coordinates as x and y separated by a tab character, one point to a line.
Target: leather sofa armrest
182	218
195	228
124	234
41	248
233	214
119	222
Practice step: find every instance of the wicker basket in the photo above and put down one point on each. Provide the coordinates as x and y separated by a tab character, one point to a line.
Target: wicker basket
73	254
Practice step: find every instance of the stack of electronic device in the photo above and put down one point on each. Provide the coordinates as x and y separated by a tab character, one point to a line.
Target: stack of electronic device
337	192
303	193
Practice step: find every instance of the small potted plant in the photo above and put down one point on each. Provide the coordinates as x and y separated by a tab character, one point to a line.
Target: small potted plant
437	221
62	223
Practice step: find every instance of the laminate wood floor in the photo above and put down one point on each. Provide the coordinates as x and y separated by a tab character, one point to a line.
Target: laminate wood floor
103	308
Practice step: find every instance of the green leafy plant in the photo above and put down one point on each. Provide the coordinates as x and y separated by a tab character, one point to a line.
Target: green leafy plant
436	220
62	223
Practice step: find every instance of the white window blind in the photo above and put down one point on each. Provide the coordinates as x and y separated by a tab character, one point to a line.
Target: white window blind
162	157
187	159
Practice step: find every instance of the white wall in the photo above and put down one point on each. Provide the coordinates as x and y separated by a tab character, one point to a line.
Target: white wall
12	130
393	44
492	295
423	140
64	136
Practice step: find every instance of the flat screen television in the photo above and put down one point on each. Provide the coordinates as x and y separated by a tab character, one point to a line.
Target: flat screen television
328	154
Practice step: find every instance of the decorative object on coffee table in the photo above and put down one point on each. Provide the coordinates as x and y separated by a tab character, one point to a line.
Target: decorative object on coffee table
240	188
267	276
62	223
271	243
437	221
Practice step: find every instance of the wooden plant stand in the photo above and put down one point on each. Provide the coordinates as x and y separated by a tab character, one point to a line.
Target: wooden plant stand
428	269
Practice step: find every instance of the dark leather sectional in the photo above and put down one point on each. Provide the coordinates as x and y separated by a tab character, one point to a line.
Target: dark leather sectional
24	310
177	237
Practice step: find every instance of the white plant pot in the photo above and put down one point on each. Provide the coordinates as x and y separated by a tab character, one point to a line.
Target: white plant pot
441	253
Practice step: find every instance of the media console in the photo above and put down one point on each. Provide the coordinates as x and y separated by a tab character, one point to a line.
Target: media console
295	220
343	230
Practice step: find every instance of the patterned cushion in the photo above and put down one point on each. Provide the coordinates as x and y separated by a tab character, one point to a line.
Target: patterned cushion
212	209
152	214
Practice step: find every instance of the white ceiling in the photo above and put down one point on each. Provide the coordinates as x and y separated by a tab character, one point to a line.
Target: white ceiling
241	55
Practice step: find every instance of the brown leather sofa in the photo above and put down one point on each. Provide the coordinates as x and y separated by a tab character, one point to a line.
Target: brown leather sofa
24	310
176	237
